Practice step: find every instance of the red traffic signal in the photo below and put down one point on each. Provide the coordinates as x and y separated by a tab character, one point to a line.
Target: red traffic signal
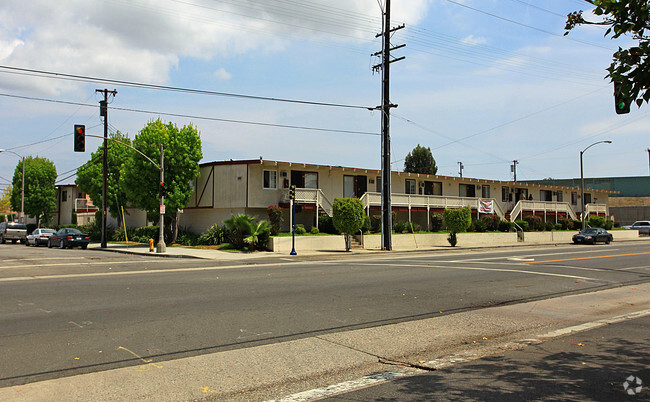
162	190
79	138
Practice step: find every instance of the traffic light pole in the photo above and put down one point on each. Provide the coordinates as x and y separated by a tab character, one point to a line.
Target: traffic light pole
103	111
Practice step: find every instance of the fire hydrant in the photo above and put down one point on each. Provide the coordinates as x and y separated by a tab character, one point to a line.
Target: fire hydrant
151	245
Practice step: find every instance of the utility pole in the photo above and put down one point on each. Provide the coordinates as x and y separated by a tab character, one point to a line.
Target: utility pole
460	168
386	209
161	246
513	168
103	112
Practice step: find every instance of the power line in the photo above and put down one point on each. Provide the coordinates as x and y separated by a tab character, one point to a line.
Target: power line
526	25
192	117
83	78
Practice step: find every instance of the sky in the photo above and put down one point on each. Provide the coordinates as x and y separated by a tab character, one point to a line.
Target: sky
483	82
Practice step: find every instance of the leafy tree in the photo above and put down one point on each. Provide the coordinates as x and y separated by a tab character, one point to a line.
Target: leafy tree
630	67
40	193
348	217
420	160
5	199
90	175
457	220
141	179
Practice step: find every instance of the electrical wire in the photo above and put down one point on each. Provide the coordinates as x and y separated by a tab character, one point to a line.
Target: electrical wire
73	77
319	129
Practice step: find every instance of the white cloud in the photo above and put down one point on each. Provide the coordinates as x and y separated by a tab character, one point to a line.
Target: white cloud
471	40
222	74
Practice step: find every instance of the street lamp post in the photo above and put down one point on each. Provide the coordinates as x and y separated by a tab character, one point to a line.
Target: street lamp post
22	197
582	182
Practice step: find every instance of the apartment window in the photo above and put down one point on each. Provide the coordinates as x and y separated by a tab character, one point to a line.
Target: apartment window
64	195
432	188
410	186
485	191
574	198
270	179
505	194
467	190
545	195
587	198
304	179
559	196
378	181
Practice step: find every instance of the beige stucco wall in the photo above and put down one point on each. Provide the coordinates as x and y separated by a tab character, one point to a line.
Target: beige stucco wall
629	201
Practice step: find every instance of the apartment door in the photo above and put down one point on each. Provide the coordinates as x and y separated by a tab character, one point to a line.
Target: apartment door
354	186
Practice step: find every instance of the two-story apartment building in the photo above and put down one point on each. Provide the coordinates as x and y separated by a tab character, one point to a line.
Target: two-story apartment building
251	186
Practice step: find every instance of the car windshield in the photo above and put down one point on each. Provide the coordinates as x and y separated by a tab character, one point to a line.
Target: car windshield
589	231
13	225
48	231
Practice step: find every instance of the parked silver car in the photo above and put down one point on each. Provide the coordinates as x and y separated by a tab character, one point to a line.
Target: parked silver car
642	226
39	236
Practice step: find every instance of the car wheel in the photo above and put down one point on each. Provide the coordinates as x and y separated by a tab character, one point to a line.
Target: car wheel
26	243
49	243
36	243
85	246
2	240
14	241
608	240
62	245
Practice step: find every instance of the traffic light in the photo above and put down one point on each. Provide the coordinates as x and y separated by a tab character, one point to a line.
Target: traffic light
292	192
622	99
163	190
79	138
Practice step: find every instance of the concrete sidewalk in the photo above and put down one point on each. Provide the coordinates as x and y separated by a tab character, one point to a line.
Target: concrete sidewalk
303	365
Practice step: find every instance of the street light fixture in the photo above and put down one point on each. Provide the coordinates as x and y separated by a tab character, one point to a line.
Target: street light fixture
582	182
22	198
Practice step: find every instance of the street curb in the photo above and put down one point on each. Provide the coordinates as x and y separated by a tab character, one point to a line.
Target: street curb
113	250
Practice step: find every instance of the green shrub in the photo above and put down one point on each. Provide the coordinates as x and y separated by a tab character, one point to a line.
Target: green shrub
480	226
147	232
522	224
534	223
348	217
576	224
244	233
549	225
188	239
505	226
275	219
118	234
437	222
557	226
491	222
457	220
564	223
326	225
300	229
314	230
213	236
366	224
375	223
597	221
401	227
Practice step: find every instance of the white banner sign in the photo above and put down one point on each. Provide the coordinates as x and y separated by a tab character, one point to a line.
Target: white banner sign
485	206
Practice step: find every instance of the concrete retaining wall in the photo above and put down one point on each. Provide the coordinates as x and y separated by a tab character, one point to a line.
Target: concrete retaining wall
424	241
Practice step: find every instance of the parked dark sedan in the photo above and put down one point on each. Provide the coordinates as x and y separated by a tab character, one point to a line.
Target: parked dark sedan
68	237
593	235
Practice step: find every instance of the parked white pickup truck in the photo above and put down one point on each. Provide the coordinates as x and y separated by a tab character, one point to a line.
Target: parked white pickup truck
13	231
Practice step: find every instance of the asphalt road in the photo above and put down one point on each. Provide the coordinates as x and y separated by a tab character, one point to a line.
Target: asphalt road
610	363
66	312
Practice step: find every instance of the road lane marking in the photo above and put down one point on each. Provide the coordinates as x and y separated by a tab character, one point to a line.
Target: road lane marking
530	255
81	263
343	387
489	269
585	258
631	268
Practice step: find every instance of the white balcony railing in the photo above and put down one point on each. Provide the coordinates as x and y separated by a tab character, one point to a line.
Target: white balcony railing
310	196
542	206
428	201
